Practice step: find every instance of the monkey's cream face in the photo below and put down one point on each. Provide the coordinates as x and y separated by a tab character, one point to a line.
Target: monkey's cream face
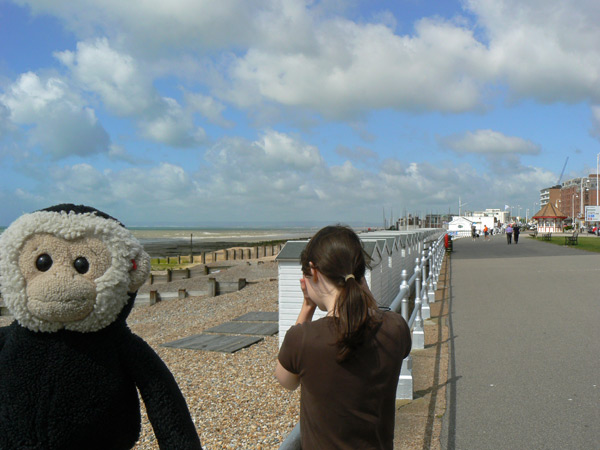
60	276
69	271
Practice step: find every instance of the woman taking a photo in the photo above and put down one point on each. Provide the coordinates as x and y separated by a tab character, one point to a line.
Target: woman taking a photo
349	361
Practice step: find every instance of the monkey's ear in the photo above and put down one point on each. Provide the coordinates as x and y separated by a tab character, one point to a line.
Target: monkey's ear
139	271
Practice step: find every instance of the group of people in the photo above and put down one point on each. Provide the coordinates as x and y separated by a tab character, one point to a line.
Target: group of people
349	361
512	230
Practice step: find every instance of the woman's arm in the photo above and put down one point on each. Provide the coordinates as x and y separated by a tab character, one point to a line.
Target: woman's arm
286	378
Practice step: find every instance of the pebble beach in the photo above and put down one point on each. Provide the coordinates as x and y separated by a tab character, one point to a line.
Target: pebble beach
234	399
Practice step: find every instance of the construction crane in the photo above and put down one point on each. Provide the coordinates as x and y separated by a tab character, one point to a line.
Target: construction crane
563	171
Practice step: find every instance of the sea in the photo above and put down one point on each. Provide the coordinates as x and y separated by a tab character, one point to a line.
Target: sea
152	235
159	241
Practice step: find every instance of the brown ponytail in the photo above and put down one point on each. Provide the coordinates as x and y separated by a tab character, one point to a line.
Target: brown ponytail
337	252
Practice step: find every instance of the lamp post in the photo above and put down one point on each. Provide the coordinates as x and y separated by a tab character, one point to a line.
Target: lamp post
573	209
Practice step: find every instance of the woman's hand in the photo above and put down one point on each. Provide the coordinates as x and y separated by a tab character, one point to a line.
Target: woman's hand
308	306
307	299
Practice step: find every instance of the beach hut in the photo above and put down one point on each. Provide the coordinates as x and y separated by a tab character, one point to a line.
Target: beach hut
377	276
549	219
395	259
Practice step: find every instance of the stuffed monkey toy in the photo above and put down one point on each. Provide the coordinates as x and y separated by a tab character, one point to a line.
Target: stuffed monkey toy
69	365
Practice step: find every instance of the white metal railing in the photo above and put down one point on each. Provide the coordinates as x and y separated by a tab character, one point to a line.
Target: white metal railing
423	283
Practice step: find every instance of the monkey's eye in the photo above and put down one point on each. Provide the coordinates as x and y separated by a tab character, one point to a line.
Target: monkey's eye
81	265
43	262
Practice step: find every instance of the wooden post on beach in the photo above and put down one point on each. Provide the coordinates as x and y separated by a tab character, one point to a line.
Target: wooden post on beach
203	258
226	251
212	287
169	275
154	298
182	293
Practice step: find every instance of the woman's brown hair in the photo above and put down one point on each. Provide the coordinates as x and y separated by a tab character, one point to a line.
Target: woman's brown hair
337	252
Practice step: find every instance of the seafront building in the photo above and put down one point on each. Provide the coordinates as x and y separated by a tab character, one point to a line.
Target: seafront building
571	197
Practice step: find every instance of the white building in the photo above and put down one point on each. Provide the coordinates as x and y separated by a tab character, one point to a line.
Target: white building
460	225
500	215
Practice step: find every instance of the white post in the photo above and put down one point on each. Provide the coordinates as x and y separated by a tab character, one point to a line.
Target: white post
425	310
404	304
430	290
418	335
597	163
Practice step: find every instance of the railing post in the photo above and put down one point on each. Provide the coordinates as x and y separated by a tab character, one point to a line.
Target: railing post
404	285
418	335
404	390
430	290
425	310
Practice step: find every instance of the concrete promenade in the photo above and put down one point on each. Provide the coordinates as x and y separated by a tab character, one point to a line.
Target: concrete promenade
524	346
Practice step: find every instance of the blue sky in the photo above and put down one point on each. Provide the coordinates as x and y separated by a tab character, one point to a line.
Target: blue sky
195	112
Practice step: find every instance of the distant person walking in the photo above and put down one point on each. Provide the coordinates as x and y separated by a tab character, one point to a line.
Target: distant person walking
509	232
516	231
486	232
473	233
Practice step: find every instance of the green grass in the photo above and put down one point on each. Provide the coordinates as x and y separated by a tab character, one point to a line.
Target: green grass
170	263
589	243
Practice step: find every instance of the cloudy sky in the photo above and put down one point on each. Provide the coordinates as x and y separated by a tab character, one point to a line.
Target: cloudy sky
201	112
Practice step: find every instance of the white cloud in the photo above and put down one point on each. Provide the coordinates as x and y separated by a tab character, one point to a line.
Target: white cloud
155	25
116	77
62	124
361	67
126	89
233	188
273	152
174	127
209	108
545	51
489	142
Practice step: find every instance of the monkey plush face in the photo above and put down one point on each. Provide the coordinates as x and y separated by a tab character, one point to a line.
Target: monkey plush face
69	270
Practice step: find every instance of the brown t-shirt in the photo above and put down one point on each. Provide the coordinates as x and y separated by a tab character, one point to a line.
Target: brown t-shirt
348	405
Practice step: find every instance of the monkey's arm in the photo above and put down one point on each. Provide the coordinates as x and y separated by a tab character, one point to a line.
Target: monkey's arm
165	405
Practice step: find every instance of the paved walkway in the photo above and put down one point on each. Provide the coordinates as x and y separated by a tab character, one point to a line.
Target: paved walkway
524	368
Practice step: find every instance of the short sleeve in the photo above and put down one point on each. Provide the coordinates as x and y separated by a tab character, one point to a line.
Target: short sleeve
290	352
402	332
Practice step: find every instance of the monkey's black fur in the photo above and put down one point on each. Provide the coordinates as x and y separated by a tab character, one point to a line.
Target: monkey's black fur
69	390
